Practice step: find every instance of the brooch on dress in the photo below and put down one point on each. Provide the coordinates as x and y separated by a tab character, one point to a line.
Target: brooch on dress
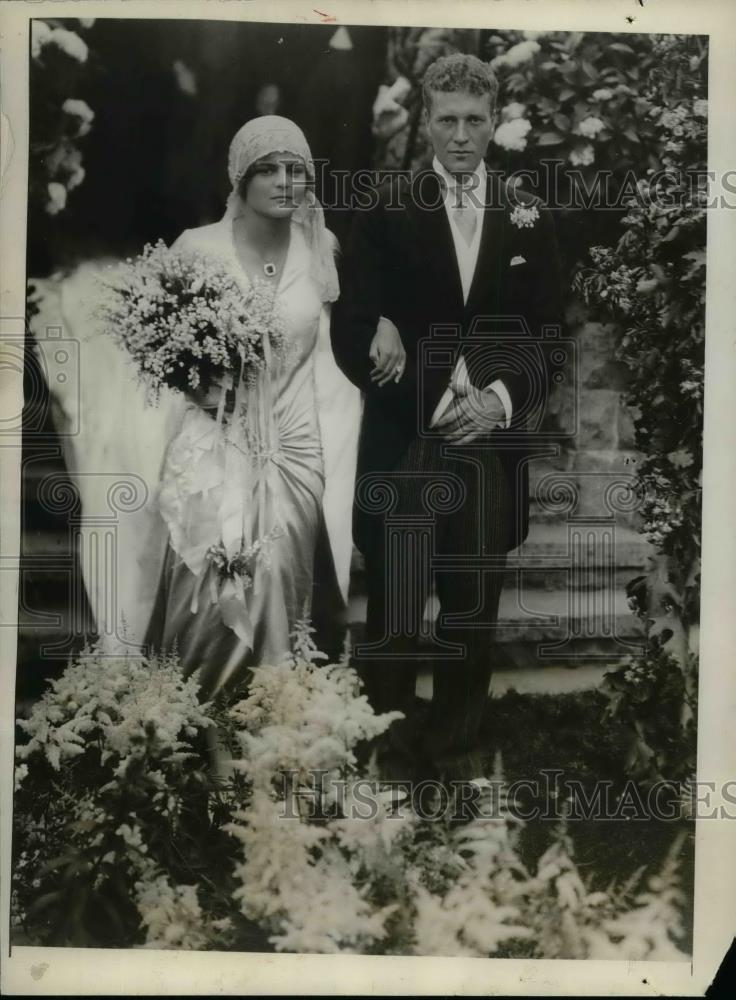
523	217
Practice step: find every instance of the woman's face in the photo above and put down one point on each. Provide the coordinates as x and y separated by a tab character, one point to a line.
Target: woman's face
277	185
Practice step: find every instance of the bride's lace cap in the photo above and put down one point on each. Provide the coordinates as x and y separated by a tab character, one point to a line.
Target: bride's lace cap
268	134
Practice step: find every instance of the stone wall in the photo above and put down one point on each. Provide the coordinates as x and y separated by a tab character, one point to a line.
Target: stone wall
583	545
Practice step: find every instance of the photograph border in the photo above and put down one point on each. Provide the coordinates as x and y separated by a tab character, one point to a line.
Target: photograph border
31	970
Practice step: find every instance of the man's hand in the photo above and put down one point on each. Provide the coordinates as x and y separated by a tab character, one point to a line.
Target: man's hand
387	353
471	415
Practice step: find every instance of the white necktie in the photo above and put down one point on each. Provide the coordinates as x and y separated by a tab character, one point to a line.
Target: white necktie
465	216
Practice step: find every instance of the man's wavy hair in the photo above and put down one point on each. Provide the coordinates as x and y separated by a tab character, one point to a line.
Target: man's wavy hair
459	73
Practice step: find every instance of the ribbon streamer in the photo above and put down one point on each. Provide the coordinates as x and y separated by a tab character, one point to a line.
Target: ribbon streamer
220	490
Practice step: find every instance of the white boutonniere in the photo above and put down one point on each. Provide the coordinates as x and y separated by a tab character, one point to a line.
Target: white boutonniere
525	217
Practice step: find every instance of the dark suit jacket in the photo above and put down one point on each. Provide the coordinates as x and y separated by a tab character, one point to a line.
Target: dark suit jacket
400	263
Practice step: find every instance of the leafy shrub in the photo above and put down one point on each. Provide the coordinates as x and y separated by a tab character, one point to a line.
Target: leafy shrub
652	284
109	794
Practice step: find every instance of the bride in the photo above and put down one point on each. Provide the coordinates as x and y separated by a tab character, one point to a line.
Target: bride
273	231
208	489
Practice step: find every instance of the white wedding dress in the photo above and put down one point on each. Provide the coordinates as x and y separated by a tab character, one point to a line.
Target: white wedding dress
196	487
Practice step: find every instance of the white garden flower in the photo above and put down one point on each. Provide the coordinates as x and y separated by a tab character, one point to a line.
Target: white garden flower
56	198
64	165
87	22
700	108
70	43
582	156
648	930
389	113
602	94
512	134
517	55
171	915
75	172
512	111
374	822
389	100
589	127
482	907
301	716
297	880
40	36
132	837
123	704
81	111
467	921
671	118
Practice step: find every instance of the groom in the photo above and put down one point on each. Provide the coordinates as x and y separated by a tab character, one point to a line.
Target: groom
447	286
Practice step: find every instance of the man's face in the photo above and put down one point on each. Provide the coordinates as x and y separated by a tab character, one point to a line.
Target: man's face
460	126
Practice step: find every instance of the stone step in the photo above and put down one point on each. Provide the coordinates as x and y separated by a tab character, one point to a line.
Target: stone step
548	578
544	562
547	547
577	623
551	679
550	544
543	612
593	478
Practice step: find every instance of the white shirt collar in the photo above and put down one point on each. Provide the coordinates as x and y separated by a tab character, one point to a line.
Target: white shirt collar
479	173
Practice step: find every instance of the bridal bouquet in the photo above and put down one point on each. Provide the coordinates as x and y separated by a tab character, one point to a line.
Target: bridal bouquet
187	323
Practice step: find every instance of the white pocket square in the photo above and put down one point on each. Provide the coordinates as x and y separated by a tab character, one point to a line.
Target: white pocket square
517	260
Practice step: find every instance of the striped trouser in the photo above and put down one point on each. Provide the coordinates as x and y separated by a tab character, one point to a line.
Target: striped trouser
458	497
